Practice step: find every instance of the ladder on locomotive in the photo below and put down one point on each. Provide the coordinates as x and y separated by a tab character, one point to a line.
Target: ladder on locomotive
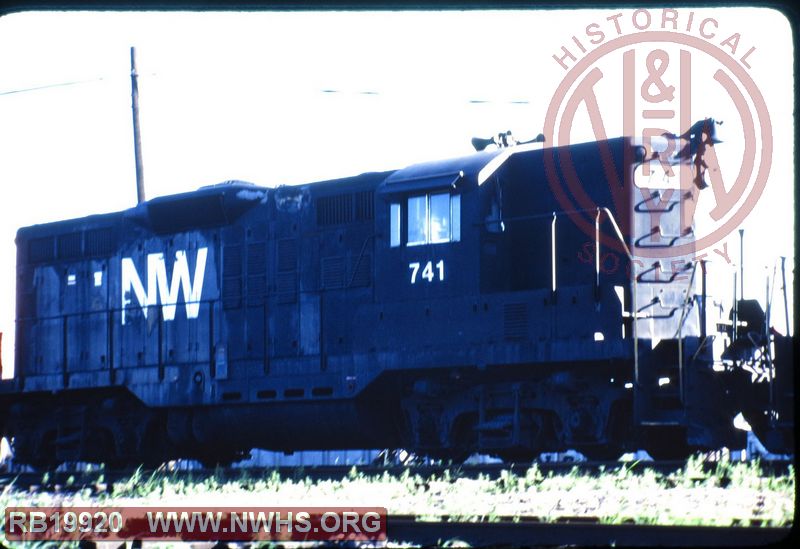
659	385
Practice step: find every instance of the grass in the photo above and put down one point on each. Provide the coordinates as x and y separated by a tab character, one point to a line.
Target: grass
728	494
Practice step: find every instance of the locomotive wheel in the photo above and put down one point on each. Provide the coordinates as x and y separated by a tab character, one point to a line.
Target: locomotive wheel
154	444
44	457
620	432
102	448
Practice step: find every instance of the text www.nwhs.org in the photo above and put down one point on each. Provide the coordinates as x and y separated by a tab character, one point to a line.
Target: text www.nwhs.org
332	522
197	523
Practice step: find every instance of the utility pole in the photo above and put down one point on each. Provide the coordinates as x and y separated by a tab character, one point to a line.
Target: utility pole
137	141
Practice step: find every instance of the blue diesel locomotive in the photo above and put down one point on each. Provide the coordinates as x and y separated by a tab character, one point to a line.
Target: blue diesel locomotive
446	308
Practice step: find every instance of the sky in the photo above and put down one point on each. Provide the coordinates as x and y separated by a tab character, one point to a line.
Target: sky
287	98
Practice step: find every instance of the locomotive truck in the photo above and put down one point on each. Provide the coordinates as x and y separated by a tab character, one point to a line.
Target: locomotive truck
446	308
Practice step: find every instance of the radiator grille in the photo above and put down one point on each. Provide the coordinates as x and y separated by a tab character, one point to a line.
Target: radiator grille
287	254
332	272
515	320
41	249
232	293
232	261
335	210
256	258
345	208
99	242
232	277
69	246
286	286
365	209
256	289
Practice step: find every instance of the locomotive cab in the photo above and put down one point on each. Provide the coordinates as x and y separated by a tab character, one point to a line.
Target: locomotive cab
428	248
490	294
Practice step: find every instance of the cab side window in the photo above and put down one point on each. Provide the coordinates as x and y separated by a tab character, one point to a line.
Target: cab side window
430	219
394	224
418	220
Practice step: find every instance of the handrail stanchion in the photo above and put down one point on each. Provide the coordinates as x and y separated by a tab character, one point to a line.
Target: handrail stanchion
768	353
553	255
704	317
597	256
679	334
634	311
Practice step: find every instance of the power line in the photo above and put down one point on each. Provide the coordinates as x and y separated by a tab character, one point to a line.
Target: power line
46	86
328	91
472	101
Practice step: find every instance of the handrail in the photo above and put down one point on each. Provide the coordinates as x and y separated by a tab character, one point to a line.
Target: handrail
652	302
679	332
656	317
671	205
657	266
549	215
618	232
655	230
634	282
660	317
686	299
616	229
554	215
553	252
358	261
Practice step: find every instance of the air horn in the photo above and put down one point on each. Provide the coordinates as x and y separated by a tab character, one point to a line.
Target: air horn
502	140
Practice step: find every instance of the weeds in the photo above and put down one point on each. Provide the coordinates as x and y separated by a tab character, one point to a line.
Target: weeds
724	493
507	482
533	476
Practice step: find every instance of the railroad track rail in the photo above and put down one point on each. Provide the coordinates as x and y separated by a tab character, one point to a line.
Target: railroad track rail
581	531
102	480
